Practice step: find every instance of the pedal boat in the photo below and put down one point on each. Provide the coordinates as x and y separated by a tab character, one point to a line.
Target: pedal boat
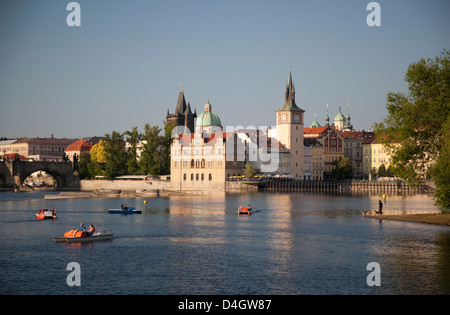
129	210
44	214
75	236
248	210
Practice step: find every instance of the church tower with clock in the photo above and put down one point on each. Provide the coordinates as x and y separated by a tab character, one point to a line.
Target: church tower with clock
290	130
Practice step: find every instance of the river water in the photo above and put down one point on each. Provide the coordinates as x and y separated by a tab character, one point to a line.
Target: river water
296	243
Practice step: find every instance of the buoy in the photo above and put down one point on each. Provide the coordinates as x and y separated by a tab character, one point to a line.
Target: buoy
145	201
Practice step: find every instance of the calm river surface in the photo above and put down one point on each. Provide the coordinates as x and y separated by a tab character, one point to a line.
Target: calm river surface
297	243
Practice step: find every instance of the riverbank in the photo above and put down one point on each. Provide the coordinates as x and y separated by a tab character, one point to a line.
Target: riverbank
430	218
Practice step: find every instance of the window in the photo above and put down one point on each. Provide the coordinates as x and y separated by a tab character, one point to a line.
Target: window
184	177
210	177
192	177
196	177
203	177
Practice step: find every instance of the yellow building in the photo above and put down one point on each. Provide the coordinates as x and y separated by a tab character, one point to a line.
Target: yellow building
375	154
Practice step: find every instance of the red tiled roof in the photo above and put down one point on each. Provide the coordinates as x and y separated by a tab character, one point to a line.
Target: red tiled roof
12	156
357	134
81	145
315	130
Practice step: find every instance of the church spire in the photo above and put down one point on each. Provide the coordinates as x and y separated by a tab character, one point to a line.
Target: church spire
289	97
348	125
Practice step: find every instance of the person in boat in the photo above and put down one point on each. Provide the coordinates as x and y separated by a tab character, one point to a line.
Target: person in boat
126	207
81	227
53	211
91	230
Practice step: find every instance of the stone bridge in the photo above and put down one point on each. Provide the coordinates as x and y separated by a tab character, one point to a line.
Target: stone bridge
14	172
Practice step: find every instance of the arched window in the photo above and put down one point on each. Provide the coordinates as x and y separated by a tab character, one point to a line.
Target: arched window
196	177
192	177
184	177
203	177
192	163
210	177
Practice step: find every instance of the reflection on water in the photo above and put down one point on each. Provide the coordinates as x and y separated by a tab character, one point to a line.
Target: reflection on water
298	243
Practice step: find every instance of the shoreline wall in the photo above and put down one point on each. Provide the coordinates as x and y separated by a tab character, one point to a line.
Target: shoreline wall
161	187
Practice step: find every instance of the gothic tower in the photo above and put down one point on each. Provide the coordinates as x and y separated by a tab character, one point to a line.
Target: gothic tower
290	130
183	115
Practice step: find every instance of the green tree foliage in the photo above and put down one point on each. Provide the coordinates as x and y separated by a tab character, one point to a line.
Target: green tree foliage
382	171
115	155
440	172
342	169
417	123
83	165
165	151
133	138
150	161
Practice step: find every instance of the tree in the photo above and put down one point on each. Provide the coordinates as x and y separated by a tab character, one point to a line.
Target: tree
249	171
373	173
150	161
343	169
83	165
382	171
166	141
389	171
133	138
98	152
98	160
115	155
440	172
416	125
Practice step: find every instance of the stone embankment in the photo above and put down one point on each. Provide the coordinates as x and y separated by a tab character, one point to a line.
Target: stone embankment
148	189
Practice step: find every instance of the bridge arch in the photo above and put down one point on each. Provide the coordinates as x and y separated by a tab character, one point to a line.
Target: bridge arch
16	172
59	179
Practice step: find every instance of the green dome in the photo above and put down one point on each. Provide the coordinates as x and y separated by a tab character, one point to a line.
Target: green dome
208	118
339	117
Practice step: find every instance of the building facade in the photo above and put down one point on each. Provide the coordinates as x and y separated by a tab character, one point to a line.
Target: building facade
353	149
206	158
329	148
39	149
77	148
375	155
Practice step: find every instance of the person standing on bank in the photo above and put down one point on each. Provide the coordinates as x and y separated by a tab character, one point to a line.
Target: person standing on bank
380	207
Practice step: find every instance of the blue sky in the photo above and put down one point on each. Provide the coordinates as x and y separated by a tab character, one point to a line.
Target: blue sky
123	66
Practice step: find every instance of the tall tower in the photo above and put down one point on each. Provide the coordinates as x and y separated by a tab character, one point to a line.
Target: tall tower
183	115
290	130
